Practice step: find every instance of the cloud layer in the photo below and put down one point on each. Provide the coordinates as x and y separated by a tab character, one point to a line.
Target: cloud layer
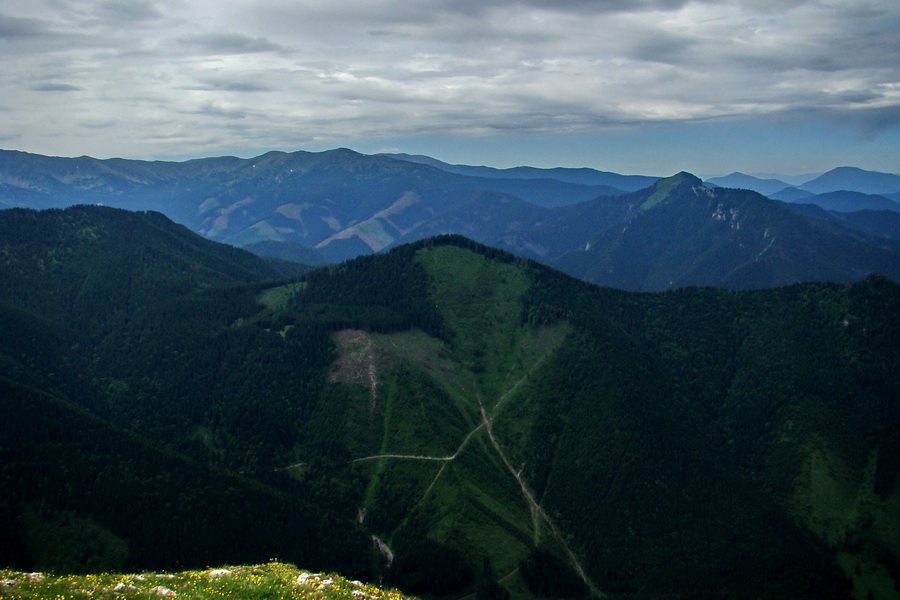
150	78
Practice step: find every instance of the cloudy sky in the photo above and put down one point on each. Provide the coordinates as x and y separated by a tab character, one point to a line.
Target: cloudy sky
633	86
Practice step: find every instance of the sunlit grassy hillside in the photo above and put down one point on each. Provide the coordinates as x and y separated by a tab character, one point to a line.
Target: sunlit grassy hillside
272	581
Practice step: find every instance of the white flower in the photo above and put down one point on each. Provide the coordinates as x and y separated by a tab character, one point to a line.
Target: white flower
325	583
164	592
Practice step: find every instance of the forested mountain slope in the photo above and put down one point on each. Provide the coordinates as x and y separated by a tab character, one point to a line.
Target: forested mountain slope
486	418
683	233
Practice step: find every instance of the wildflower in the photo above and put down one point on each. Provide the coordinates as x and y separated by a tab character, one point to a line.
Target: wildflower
325	583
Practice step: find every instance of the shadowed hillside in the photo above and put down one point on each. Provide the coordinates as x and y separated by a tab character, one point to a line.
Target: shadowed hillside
445	416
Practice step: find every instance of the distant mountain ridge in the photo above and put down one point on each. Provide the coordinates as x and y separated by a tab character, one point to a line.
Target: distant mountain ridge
852	179
791	194
840	179
584	176
766	187
847	202
334	205
339	201
679	232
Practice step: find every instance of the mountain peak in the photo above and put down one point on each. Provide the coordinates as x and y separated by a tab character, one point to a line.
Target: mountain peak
664	188
685	176
854	179
740	180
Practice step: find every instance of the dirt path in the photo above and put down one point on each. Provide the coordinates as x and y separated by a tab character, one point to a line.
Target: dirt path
421	457
371	375
363	369
404	456
535	507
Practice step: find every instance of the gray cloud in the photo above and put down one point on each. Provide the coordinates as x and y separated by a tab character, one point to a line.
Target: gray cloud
220	110
100	124
664	48
870	122
128	11
228	43
17	27
176	73
233	85
51	86
573	6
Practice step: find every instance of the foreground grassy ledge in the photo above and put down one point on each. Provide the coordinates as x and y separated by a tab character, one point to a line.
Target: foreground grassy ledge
272	581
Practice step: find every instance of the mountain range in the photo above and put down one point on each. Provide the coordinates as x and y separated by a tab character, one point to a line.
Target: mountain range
583	176
683	233
340	202
326	207
844	189
447	417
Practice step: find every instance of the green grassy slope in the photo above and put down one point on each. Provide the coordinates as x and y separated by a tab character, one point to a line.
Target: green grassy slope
410	408
269	581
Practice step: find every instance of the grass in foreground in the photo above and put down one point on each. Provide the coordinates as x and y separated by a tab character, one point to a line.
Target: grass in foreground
272	581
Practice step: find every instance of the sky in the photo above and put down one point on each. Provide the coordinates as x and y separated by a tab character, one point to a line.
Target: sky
632	86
